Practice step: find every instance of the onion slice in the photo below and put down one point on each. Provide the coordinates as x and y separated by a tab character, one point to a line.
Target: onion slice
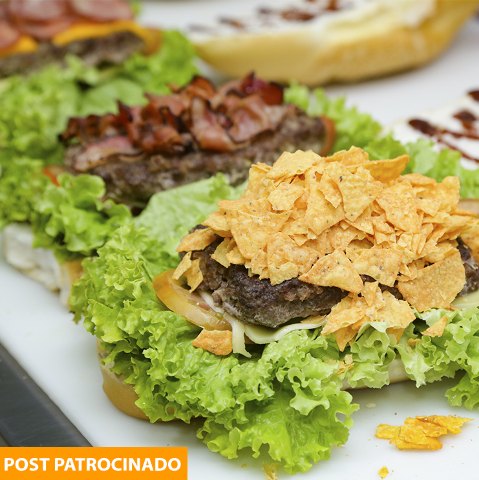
189	305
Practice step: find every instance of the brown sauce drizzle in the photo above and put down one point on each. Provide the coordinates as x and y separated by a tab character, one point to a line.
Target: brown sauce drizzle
295	15
431	131
475	95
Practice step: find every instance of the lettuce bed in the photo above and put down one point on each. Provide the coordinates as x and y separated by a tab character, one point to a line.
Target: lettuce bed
287	396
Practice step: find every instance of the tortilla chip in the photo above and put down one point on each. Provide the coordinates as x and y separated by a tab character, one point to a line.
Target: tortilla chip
330	190
437	329
451	422
334	270
396	313
447	192
198	240
320	214
432	444
283	197
399	204
286	260
290	164
357	194
436	286
193	275
413	434
219	342
220	253
184	265
385	170
339	238
353	156
251	227
429	429
386	432
381	264
345	313
234	255
418	179
217	222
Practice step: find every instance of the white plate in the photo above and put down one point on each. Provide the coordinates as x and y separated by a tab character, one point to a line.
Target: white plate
60	356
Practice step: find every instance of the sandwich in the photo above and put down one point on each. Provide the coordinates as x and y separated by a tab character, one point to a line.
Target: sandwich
191	134
36	33
326	273
322	41
120	160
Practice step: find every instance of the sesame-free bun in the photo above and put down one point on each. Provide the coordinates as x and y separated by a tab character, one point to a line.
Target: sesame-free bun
343	52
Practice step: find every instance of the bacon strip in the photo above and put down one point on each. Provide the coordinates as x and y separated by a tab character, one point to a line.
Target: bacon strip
99	153
194	117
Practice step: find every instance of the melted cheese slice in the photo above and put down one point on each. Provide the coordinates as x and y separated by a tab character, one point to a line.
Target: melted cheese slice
25	44
84	30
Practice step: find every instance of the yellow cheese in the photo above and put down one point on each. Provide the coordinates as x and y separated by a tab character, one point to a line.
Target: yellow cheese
83	30
25	44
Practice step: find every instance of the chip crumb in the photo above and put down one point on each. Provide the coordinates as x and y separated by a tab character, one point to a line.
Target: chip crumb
244	465
271	470
383	472
370	405
421	432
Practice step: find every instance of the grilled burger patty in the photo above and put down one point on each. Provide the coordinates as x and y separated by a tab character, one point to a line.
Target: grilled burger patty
134	180
114	48
255	301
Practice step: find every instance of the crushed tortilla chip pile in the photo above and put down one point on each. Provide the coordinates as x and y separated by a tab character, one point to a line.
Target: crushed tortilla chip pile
421	433
330	220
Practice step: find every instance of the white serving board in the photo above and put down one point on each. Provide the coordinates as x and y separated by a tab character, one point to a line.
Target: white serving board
60	356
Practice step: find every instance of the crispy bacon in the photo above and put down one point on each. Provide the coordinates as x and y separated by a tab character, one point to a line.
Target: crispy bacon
207	129
271	93
100	152
195	117
250	117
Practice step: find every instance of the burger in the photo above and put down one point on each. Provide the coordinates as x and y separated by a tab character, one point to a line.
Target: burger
326	273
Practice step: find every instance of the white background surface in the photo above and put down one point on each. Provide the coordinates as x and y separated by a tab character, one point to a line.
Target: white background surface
60	356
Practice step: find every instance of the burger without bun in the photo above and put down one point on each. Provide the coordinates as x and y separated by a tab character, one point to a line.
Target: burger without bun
327	272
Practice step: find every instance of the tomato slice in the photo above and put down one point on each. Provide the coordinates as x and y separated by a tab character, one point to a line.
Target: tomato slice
189	305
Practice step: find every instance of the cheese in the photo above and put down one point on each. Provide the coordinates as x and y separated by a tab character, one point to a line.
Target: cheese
84	30
471	300
256	333
25	44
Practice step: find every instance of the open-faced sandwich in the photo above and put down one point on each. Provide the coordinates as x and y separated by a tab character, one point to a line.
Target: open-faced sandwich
319	41
327	272
35	33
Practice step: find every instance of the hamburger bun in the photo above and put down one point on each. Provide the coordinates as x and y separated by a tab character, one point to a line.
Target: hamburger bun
386	38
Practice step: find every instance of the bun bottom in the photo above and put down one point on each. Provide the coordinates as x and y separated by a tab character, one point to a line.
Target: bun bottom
298	55
123	395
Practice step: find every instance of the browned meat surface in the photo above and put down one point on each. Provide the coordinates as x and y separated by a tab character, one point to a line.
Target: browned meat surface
255	301
112	49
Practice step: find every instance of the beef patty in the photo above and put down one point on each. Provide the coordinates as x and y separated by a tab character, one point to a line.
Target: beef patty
255	301
112	49
133	182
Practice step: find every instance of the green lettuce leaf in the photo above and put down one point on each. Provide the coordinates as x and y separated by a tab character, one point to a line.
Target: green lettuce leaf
73	220
352	127
170	214
21	187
